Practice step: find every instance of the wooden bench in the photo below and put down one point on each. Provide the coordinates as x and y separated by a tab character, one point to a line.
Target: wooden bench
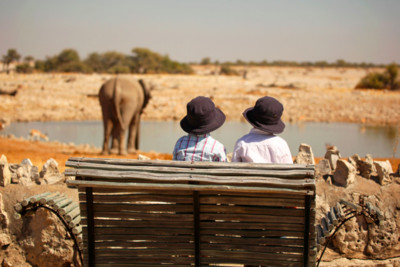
152	213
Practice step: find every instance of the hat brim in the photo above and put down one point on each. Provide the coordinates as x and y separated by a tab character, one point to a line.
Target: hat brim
276	128
218	120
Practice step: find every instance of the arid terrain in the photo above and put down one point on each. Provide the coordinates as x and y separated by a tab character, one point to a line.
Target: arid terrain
308	94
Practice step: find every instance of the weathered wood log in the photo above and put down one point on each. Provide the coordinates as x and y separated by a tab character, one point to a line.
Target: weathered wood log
350	205
77	230
33	199
18	207
74	222
56	200
320	235
72	214
68	208
325	226
62	203
46	199
36	198
339	211
332	217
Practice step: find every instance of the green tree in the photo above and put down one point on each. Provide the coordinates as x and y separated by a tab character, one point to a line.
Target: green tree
68	56
205	61
146	61
12	55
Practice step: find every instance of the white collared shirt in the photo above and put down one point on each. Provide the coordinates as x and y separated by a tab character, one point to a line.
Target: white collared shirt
261	147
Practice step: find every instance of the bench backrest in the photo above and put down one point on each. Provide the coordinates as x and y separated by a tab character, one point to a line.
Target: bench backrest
149	213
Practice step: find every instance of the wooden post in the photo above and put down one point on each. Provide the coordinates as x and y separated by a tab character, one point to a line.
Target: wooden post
90	226
307	229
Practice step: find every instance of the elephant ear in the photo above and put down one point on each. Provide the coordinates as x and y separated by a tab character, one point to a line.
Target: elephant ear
116	98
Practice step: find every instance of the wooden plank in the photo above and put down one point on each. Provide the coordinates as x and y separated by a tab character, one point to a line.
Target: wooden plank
251	218
123	207
147	245
139	198
214	199
176	177
76	161
151	231
265	241
252	248
251	226
148	237
139	223
255	210
235	255
219	188
252	233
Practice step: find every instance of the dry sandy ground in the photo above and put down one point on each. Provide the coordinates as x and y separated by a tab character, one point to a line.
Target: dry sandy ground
308	94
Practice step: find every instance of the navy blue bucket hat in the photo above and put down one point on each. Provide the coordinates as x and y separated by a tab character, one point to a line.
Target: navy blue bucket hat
202	116
266	115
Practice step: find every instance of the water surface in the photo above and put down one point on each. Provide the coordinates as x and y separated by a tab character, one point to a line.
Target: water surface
161	136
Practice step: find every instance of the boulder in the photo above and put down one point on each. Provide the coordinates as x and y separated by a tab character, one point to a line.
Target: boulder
5	174
332	155
344	174
5	238
50	172
383	169
323	167
305	155
365	168
354	159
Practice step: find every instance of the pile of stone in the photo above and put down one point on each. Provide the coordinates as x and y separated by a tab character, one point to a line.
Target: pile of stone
339	171
27	174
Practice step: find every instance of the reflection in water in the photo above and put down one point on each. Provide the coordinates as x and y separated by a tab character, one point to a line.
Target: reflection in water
380	141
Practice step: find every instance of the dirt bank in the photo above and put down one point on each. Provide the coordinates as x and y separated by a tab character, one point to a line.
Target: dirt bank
308	94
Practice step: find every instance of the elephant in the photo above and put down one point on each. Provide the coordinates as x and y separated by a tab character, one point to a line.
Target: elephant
122	103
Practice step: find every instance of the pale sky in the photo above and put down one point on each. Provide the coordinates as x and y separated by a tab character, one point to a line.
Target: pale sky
223	30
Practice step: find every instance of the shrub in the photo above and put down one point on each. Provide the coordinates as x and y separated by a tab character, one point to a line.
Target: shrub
227	70
385	80
24	68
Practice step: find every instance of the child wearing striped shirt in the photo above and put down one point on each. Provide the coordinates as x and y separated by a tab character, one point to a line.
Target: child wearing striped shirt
201	119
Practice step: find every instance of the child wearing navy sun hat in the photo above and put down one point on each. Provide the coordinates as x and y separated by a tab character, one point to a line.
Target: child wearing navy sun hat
262	145
202	118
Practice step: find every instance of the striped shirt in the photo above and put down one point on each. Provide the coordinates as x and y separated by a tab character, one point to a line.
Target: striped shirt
199	148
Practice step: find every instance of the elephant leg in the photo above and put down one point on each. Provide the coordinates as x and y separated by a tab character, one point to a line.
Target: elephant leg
121	143
133	137
108	127
115	139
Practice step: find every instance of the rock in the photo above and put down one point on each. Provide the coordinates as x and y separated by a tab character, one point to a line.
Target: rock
354	159
365	168
27	162
24	177
384	169
332	155
50	172
3	159
5	238
44	241
305	155
344	174
5	174
143	157
323	167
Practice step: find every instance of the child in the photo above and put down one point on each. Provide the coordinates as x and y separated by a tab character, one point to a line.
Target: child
261	144
201	119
